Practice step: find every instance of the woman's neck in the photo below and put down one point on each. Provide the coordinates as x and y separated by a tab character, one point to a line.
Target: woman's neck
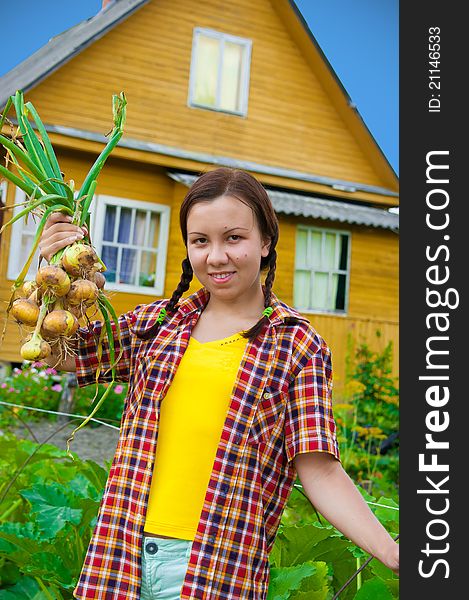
239	308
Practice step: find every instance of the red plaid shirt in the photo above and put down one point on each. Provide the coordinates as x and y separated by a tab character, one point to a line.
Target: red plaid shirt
280	406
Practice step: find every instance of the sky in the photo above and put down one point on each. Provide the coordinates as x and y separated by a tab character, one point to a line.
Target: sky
358	37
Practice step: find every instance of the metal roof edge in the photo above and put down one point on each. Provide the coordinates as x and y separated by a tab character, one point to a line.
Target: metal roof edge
225	161
304	205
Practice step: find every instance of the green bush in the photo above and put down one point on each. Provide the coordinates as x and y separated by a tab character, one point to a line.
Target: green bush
48	508
34	384
112	407
367	420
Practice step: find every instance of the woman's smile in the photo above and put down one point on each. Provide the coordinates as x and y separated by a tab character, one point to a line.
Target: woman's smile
222	277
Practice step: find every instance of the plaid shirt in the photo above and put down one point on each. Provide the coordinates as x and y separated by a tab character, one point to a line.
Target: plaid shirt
280	406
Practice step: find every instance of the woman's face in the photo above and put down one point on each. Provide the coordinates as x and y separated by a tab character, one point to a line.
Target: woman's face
225	248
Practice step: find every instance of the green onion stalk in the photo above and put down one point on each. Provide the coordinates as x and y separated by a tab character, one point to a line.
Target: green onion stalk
72	283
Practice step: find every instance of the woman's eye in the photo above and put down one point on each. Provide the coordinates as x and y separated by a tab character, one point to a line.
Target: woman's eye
199	241
235	238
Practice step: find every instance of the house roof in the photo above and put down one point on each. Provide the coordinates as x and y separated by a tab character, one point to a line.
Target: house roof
71	42
65	46
319	208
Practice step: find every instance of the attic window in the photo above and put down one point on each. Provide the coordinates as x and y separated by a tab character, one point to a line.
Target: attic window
219	71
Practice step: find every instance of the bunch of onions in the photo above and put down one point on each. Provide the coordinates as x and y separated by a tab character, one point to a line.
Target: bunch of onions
71	287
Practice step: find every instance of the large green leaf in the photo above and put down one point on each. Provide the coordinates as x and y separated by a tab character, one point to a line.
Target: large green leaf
51	507
50	567
18	541
373	589
54	561
388	516
385	573
284	580
26	588
315	587
295	544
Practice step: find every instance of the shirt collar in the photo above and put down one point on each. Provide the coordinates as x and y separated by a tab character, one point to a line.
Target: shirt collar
281	311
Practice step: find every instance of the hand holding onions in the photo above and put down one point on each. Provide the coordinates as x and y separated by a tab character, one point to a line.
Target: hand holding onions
72	283
62	292
71	286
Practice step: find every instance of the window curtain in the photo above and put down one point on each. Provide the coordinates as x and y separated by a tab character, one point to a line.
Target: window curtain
127	235
316	283
206	70
231	76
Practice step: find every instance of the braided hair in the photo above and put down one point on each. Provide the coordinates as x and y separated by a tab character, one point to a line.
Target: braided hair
250	191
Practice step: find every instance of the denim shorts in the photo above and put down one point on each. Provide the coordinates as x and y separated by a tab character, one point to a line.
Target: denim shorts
164	566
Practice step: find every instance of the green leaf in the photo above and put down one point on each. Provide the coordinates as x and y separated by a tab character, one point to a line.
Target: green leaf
26	588
284	580
51	508
119	115
23	185
295	545
388	516
315	587
50	567
18	541
373	589
46	141
386	574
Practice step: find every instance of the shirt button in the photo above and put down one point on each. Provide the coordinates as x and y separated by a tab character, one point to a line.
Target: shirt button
211	539
267	395
151	548
237	438
224	488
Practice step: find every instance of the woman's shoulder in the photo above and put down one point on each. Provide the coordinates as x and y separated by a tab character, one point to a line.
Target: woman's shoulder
144	315
304	336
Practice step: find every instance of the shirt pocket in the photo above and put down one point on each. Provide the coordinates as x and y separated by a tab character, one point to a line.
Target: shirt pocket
140	383
269	410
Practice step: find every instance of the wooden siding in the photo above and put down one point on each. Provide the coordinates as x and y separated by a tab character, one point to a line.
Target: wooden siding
291	121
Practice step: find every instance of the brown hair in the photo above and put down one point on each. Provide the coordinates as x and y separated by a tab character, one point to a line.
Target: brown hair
247	189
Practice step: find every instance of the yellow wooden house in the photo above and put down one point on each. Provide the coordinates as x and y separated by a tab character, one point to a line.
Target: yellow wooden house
209	83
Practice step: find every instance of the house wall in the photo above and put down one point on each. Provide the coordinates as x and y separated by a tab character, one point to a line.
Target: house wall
291	121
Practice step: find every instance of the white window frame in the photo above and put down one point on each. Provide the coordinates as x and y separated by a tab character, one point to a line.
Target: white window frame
346	272
246	68
97	230
14	265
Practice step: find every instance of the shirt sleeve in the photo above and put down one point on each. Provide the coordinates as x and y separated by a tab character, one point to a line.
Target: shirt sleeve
90	347
309	424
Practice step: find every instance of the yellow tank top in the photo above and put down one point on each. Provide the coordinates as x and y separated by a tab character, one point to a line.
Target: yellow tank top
192	416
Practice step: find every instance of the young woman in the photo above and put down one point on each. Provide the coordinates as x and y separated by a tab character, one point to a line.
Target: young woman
229	399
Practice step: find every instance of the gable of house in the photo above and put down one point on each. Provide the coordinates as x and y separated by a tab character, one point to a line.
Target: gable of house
297	116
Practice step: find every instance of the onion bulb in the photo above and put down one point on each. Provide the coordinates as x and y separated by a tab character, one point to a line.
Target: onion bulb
99	279
25	311
35	348
83	292
80	258
28	288
59	322
54	279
